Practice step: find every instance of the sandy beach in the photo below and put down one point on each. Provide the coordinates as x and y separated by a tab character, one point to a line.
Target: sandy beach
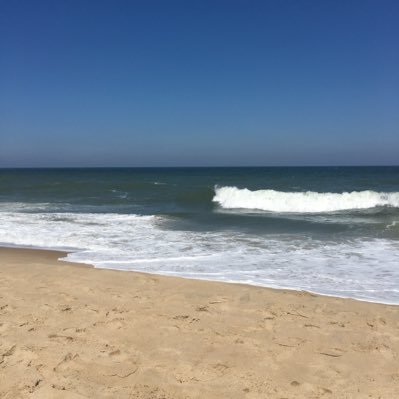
71	331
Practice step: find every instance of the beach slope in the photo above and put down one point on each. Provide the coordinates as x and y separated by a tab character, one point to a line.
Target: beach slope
70	331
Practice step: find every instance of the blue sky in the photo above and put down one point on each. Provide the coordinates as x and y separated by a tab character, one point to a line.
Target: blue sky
199	83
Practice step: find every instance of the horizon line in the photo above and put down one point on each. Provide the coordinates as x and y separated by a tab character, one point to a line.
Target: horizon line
202	166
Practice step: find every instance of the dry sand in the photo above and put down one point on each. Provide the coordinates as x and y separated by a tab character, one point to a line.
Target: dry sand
69	331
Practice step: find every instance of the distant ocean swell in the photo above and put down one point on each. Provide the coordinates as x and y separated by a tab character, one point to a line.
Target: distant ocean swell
302	202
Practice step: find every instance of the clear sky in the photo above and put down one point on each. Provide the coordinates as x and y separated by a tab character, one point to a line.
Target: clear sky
199	83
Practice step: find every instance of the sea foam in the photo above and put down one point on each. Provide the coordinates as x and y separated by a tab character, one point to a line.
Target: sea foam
360	268
301	202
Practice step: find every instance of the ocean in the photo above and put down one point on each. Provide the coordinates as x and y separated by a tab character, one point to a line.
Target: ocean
327	230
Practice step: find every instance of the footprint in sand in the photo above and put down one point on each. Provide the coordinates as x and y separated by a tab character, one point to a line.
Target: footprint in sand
117	323
16	355
61	338
68	361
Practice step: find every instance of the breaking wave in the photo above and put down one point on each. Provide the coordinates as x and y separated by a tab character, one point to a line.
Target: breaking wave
359	268
302	202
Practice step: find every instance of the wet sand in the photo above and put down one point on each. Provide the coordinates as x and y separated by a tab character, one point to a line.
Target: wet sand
71	331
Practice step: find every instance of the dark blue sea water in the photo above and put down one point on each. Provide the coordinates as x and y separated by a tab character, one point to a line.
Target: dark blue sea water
331	230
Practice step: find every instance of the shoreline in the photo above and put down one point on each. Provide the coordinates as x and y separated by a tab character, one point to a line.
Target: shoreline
82	332
65	252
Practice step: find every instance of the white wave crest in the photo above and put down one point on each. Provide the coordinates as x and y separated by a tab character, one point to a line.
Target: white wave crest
301	202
